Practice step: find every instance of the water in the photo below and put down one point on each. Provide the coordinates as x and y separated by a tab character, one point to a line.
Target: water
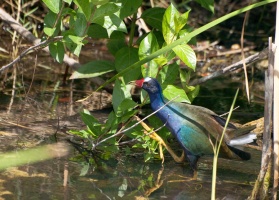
41	116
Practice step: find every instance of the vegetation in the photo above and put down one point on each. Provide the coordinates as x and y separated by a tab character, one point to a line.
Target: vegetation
159	52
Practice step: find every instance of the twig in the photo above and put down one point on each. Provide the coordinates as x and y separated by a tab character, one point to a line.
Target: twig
229	112
243	56
133	126
233	67
40	45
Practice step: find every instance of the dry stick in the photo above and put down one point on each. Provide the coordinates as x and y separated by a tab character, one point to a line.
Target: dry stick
35	41
243	56
233	67
260	190
127	129
276	107
40	45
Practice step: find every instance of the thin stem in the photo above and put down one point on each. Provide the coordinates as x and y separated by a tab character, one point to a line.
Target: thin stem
133	27
216	151
127	129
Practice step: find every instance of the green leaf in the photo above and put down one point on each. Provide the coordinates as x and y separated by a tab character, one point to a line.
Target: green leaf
84	7
91	122
80	24
154	17
168	74
107	16
49	31
207	4
57	51
97	31
84	169
185	76
186	54
186	38
124	58
116	42
53	5
93	69
193	92
104	10
124	106
120	92
113	23
111	123
68	1
147	46
99	2
73	43
172	23
49	27
171	92
128	7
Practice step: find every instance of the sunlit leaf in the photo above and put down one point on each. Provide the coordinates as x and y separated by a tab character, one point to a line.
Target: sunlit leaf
68	1
172	23
85	8
114	23
147	46
186	54
171	92
53	5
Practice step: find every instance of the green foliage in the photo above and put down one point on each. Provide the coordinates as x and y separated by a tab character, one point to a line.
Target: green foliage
158	53
104	19
93	69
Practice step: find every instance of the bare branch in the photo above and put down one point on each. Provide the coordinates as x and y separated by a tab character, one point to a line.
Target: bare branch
233	67
39	46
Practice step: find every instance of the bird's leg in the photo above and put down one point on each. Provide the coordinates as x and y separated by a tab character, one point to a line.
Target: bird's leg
161	142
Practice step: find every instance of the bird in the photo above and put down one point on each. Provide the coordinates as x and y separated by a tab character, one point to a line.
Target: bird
196	128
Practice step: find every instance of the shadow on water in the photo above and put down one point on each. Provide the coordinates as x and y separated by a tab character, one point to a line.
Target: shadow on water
49	110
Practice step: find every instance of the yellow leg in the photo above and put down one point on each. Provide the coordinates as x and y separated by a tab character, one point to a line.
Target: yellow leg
161	142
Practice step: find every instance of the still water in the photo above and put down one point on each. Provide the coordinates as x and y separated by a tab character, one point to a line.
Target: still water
42	114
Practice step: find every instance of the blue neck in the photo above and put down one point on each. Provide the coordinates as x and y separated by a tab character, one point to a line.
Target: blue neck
157	100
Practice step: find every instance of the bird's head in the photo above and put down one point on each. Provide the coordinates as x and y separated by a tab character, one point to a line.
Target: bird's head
150	85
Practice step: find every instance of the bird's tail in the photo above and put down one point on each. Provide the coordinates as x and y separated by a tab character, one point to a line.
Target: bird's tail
240	140
243	139
242	154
